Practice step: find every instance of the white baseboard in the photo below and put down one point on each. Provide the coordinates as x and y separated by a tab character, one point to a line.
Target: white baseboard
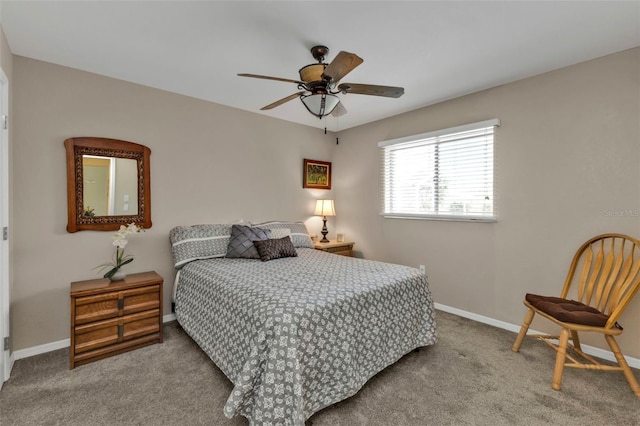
40	349
12	360
590	350
60	344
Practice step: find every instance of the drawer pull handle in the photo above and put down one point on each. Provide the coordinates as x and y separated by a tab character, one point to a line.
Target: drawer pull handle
120	330
120	304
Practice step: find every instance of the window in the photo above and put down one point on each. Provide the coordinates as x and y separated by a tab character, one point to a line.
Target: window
446	174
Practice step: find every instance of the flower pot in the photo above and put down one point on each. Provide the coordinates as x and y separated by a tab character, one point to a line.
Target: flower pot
119	275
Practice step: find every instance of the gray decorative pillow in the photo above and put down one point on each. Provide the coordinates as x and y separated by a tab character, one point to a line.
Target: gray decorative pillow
241	241
275	249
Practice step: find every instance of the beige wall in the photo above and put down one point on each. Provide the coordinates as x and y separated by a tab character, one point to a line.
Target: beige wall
567	158
567	168
209	164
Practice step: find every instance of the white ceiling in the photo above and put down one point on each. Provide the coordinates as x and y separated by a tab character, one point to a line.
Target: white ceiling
436	50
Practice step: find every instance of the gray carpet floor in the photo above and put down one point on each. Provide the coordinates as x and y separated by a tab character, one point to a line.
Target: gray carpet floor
470	377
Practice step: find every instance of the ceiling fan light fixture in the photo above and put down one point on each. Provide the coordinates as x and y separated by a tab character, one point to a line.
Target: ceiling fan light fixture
312	72
320	104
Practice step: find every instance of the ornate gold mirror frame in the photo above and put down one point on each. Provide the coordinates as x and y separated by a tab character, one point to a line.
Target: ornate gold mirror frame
77	148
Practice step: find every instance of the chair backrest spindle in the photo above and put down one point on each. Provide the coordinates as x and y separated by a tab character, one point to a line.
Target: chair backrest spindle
605	273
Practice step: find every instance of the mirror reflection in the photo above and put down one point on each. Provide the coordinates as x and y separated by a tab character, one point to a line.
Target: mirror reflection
110	186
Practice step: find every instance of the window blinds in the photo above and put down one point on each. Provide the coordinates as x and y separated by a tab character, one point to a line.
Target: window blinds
446	174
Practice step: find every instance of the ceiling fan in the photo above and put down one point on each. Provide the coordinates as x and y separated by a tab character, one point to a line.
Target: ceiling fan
320	83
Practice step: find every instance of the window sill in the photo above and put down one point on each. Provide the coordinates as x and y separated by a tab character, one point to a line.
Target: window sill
450	218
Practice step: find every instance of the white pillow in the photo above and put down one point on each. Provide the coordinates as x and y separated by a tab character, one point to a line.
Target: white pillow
280	233
299	233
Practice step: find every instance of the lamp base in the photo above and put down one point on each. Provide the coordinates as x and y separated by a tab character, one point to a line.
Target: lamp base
324	231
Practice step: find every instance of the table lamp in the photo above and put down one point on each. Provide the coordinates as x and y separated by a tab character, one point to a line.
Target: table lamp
324	208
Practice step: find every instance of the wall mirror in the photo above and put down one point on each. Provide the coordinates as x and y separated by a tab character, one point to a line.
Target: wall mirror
108	184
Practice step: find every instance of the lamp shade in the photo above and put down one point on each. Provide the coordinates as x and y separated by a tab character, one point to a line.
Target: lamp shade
325	208
320	104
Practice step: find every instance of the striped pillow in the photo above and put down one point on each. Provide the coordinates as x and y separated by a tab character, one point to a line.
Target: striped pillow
189	243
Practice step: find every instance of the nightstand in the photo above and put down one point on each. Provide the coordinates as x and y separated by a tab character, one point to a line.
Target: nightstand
344	248
109	318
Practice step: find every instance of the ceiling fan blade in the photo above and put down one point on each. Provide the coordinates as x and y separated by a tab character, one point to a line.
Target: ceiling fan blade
339	110
281	101
266	77
342	65
372	89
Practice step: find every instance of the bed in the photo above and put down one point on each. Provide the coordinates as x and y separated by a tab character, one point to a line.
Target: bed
295	334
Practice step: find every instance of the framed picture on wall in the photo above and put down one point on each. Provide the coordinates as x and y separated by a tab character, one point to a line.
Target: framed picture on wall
316	174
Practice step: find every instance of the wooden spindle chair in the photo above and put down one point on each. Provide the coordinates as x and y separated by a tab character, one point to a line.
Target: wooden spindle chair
602	280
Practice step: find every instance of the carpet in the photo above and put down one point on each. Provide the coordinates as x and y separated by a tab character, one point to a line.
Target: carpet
470	377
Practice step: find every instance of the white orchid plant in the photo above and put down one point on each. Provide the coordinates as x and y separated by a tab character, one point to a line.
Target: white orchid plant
120	241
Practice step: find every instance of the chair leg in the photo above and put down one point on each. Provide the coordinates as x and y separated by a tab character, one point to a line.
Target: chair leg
523	330
575	339
623	363
563	341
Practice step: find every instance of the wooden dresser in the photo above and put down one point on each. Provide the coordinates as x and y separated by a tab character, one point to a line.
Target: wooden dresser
109	318
343	248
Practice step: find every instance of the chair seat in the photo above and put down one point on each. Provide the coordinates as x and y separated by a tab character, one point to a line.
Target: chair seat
569	311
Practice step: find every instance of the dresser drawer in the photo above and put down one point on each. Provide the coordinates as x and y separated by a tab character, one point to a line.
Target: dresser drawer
343	248
107	332
340	250
95	308
95	335
111	305
140	299
140	324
